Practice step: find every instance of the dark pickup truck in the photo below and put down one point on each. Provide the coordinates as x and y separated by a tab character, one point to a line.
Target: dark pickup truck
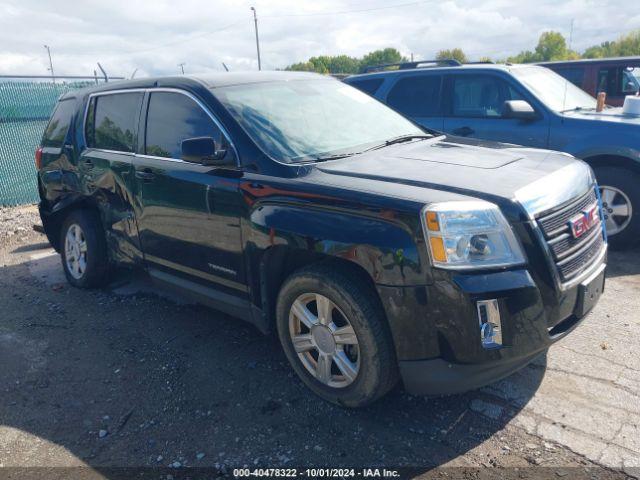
376	249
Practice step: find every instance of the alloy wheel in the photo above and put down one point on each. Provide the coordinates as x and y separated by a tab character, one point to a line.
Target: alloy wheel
616	207
324	340
75	251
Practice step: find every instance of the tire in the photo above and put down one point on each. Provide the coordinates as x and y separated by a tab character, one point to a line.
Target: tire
354	303
623	186
93	271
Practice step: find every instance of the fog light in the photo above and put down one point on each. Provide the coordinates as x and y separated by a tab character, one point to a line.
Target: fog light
490	326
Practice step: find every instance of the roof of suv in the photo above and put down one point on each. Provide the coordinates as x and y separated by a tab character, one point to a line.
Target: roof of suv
604	61
208	80
448	68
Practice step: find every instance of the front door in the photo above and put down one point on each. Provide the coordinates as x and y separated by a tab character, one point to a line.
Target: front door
475	110
189	214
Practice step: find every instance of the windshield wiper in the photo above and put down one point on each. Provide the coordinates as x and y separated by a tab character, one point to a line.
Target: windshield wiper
405	138
325	158
391	141
577	109
400	139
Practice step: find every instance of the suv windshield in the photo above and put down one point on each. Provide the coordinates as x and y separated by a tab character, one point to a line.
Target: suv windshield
304	120
553	90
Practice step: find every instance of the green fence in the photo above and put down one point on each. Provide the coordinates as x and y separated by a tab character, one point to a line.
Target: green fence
25	107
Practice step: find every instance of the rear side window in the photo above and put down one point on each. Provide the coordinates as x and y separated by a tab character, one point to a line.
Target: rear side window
172	118
574	75
368	85
58	126
112	121
416	96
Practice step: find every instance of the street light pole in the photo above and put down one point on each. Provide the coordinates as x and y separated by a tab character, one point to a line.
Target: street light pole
181	65
50	63
255	21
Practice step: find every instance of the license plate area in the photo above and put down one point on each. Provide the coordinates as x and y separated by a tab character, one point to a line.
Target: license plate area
589	292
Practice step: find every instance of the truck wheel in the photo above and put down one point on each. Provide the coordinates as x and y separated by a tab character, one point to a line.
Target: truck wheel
334	333
83	250
620	192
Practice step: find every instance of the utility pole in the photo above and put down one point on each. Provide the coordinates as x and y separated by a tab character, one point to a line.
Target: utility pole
255	21
50	63
181	65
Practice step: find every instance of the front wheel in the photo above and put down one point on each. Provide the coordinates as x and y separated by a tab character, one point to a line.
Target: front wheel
620	194
334	333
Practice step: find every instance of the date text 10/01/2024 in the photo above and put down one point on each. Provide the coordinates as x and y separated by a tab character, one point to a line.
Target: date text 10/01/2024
316	472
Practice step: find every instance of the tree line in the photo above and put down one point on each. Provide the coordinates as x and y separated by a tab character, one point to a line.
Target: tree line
551	46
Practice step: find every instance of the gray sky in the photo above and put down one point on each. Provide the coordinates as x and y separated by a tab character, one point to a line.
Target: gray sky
154	36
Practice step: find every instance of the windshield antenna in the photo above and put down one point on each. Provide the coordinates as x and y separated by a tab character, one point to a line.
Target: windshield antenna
566	82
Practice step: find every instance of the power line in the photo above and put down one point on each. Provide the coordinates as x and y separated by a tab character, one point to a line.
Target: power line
345	12
184	40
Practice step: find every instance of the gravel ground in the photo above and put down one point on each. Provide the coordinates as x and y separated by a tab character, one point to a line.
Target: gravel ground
130	377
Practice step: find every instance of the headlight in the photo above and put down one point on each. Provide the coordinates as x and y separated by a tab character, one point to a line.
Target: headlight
465	235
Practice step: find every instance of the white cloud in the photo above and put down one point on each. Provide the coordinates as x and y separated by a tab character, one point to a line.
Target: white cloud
154	36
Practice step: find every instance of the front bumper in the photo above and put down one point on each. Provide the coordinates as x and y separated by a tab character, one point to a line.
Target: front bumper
436	330
438	377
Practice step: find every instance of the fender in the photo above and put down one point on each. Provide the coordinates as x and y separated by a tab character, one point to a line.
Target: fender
123	246
386	250
631	154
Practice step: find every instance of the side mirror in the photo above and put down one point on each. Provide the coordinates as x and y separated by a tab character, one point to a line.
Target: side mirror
518	109
205	150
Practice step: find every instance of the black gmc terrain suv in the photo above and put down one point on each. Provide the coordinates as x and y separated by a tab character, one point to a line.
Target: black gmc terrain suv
376	249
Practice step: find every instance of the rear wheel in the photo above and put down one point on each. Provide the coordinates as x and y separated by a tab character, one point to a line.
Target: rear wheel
83	250
333	331
620	193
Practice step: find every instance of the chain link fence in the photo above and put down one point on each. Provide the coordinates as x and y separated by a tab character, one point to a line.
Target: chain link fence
25	106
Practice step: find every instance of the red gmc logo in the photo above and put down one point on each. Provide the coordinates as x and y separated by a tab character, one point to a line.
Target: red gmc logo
581	223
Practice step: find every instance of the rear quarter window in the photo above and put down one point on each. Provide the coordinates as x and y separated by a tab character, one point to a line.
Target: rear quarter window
368	85
112	121
58	126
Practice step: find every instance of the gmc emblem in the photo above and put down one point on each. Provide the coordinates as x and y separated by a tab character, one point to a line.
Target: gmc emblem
581	223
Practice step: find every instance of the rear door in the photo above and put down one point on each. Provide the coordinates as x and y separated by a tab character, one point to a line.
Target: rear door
105	166
475	110
418	96
58	150
189	218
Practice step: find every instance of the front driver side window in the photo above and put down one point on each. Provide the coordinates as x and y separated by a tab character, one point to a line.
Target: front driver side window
480	96
173	117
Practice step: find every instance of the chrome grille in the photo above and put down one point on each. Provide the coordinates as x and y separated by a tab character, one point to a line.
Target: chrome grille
571	255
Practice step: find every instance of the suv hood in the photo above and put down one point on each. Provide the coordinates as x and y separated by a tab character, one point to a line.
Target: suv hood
501	173
608	116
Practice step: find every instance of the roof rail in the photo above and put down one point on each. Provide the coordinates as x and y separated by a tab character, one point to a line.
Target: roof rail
480	62
450	62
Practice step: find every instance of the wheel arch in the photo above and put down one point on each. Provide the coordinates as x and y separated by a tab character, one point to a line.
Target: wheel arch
281	261
613	160
54	218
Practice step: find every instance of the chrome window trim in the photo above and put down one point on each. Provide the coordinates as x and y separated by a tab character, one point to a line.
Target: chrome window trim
152	90
166	159
86	112
105	150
